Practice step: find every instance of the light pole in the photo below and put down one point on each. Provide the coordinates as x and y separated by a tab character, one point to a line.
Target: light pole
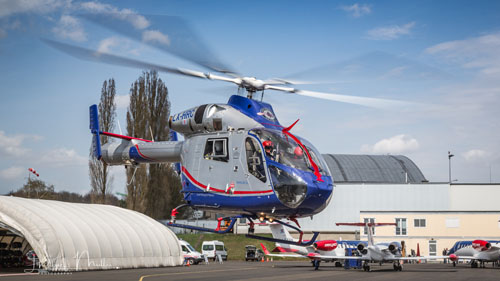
449	165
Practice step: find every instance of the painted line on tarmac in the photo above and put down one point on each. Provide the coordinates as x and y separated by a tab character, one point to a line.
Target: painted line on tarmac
17	274
195	272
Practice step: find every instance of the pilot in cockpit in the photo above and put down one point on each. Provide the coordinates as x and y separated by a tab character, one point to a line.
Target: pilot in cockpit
269	149
298	153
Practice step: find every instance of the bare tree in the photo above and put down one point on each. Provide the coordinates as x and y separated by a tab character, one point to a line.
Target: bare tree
136	127
100	178
153	186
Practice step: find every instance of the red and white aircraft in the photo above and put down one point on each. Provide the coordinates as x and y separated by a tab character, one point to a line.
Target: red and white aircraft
325	250
478	252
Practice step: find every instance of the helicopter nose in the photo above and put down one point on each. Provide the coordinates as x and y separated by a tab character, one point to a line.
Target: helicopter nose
319	195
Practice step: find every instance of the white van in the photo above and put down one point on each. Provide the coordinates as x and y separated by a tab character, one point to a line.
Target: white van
213	248
190	254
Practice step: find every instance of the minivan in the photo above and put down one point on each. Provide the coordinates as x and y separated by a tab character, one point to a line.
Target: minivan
191	256
213	248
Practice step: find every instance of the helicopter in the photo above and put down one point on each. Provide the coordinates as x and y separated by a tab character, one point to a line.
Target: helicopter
235	158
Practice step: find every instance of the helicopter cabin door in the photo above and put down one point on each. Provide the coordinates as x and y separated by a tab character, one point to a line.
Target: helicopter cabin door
216	163
253	161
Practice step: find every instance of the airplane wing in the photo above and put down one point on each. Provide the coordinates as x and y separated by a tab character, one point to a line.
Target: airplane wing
318	256
286	255
417	258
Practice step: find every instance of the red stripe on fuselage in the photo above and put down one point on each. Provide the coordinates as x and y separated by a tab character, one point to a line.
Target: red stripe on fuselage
142	155
185	171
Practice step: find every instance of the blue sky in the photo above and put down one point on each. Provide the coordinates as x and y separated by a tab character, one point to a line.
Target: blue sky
443	54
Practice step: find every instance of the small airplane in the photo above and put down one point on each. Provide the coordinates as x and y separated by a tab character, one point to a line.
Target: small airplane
478	252
324	250
382	252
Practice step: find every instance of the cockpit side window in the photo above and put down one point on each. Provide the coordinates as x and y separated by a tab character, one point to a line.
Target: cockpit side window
254	159
316	160
216	149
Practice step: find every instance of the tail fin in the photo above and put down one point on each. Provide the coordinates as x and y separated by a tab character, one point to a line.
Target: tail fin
370	227
94	129
266	251
280	232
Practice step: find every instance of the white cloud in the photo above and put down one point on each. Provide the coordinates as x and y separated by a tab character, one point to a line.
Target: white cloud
393	145
12	145
69	27
357	10
122	101
481	52
137	21
12	173
390	32
63	157
106	44
155	36
10	7
3	33
394	72
474	155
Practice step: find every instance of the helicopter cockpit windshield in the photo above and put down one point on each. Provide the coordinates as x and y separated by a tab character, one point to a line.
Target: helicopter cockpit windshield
283	149
289	185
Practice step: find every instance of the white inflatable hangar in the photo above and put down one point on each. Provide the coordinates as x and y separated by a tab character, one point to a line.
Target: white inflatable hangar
74	236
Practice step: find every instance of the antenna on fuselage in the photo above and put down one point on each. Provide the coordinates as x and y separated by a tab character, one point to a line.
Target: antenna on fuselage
133	175
119	127
151	131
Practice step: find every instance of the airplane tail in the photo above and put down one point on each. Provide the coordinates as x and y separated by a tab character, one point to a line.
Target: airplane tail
370	226
280	232
266	251
94	129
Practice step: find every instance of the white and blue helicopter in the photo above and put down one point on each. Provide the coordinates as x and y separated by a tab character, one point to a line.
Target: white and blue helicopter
236	158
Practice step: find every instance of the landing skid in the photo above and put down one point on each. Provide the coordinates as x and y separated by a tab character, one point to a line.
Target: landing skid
233	219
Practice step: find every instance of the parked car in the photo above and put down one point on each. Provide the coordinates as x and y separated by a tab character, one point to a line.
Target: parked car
190	254
253	254
213	248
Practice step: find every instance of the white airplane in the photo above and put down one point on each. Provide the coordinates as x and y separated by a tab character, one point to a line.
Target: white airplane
324	250
381	252
478	252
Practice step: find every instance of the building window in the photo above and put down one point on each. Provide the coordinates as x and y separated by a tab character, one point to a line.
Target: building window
400	226
368	220
216	149
452	222
419	223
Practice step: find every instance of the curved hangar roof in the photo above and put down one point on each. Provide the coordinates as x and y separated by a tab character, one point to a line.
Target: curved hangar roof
74	236
349	168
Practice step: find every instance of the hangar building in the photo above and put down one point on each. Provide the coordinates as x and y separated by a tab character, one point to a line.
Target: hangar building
388	188
74	236
391	188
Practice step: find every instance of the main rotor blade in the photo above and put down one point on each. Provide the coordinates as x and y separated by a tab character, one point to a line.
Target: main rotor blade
169	34
364	101
91	55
